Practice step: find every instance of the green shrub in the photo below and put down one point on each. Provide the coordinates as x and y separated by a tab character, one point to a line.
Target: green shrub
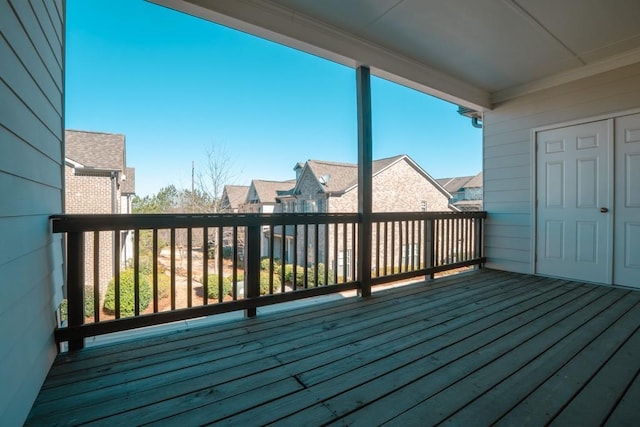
227	286
88	301
288	274
164	285
321	273
127	294
264	283
277	266
88	304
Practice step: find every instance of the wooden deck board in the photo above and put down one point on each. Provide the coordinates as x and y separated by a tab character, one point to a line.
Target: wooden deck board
474	349
497	399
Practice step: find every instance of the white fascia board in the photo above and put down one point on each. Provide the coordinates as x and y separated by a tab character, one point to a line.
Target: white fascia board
73	163
285	26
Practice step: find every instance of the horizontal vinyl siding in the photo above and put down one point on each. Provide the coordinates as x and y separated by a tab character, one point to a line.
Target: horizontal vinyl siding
507	154
31	187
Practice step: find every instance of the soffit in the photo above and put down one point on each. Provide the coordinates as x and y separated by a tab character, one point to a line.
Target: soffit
472	52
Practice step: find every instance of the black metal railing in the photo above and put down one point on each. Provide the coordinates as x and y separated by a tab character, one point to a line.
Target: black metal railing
130	271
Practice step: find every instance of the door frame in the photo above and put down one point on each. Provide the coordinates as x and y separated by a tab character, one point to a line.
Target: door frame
533	134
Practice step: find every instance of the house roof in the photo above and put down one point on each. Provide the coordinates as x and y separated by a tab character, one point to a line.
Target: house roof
475	182
338	177
267	191
453	185
96	149
456	184
503	49
237	194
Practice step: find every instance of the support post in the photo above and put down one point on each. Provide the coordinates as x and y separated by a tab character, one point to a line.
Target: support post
75	285
478	239
252	266
365	171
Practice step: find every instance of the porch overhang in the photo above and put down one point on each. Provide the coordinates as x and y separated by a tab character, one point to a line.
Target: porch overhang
474	54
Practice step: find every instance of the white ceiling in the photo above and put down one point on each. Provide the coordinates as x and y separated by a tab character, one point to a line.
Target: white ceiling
473	52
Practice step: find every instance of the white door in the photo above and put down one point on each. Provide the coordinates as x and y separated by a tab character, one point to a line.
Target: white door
574	179
627	208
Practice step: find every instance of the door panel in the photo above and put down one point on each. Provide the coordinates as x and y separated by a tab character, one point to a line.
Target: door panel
573	183
627	209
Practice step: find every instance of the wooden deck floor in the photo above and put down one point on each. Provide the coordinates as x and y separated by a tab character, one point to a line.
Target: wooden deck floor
475	349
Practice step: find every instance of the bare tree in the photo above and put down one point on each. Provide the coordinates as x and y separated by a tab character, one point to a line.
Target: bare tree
217	171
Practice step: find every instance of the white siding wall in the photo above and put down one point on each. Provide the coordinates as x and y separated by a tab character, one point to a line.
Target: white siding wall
508	154
31	158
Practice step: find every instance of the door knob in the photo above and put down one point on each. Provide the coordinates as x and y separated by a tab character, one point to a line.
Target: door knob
604	210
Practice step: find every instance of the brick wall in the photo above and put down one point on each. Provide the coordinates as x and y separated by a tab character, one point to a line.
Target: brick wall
92	195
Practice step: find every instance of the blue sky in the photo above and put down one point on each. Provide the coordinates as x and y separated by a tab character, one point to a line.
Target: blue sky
175	85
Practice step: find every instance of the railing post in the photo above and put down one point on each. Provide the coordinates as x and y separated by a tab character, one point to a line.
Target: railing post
252	266
478	239
75	284
429	243
365	186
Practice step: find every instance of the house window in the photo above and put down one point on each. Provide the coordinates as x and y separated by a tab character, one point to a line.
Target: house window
321	205
309	206
423	206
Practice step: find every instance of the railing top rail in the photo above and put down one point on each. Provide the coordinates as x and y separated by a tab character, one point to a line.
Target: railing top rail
107	222
403	216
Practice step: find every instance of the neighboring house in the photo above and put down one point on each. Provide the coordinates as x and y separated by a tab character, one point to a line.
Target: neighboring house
262	195
97	181
466	191
234	198
262	198
399	185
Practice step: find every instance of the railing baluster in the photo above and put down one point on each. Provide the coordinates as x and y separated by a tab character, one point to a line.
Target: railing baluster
205	265
154	260
173	268
429	242
136	274
377	250
271	255
305	259
393	247
354	255
96	276
326	254
344	252
294	276
116	271
386	248
189	267
283	257
421	263
401	249
235	263
220	258
252	266
316	254
335	252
